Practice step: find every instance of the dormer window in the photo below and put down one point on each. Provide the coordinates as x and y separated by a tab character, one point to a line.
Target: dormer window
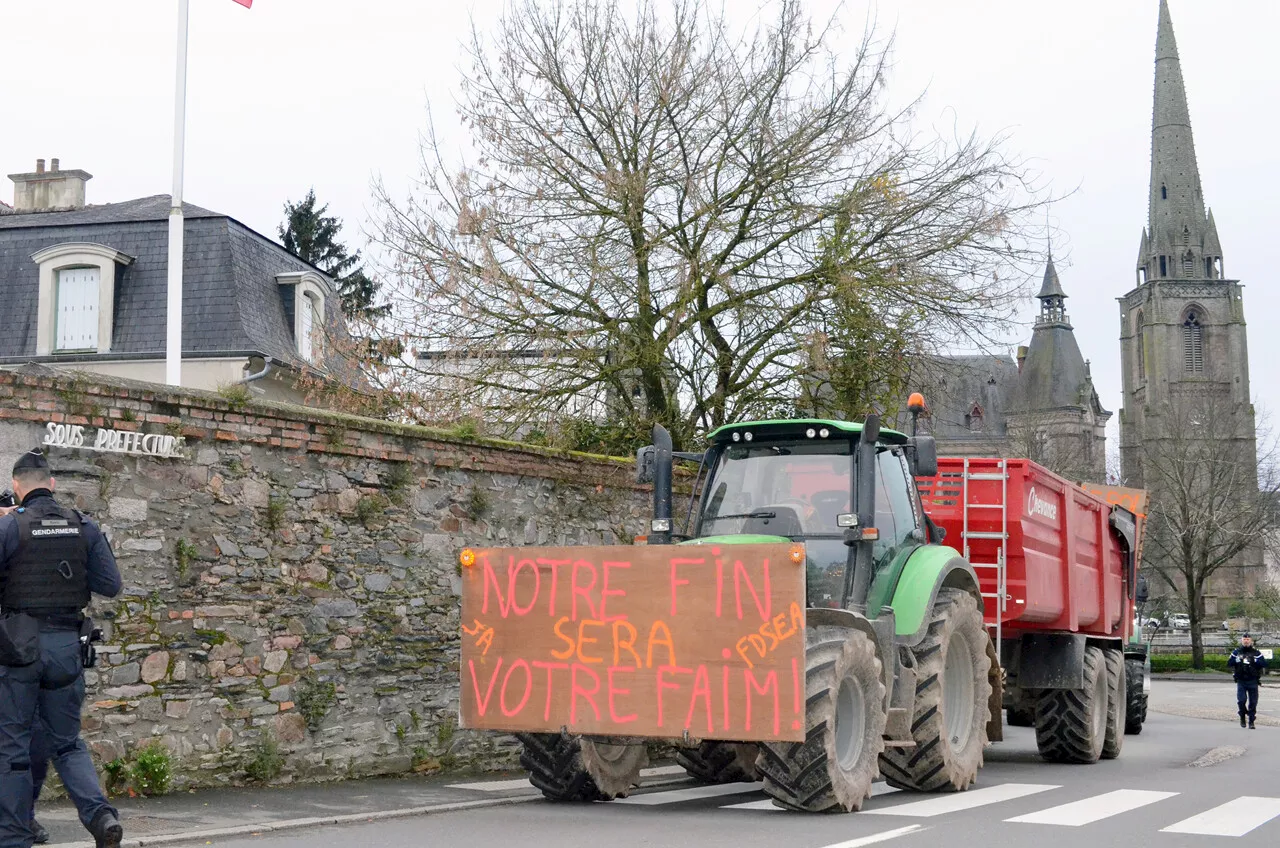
310	292
77	297
973	421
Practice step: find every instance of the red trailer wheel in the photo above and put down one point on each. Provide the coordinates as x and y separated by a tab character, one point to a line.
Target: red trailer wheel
1118	701
1071	724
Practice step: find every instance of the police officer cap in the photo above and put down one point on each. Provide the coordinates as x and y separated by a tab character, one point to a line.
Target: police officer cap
31	460
1246	635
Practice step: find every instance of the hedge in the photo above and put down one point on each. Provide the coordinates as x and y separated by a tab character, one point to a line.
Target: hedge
1165	663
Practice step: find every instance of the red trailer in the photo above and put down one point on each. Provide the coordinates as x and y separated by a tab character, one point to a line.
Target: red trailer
1056	566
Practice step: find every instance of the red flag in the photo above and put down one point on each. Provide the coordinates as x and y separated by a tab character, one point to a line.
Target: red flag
248	4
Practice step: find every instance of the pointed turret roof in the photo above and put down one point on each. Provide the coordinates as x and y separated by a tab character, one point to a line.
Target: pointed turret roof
1051	287
1054	374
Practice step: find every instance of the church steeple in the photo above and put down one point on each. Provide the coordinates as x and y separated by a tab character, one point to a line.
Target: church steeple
1180	240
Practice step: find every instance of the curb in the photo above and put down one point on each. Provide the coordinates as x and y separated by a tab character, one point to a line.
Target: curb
314	821
319	821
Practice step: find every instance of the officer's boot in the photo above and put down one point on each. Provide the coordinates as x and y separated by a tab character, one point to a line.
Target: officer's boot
106	830
38	831
1242	718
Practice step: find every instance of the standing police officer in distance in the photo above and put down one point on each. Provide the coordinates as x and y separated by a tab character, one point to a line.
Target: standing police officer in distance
51	558
1247	662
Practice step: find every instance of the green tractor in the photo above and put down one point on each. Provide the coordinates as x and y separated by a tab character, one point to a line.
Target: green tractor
901	675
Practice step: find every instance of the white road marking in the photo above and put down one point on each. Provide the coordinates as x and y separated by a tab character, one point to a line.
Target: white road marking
674	796
1234	818
958	801
523	782
1094	809
877	789
879	837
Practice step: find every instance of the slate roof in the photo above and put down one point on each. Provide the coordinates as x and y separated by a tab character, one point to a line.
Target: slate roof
953	385
232	303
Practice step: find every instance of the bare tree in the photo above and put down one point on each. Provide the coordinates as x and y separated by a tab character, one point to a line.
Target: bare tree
1213	501
680	222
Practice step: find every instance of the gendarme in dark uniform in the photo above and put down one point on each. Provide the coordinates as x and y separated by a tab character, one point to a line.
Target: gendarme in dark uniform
51	559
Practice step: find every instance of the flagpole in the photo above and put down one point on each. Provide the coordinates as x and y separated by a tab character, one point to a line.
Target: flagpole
173	335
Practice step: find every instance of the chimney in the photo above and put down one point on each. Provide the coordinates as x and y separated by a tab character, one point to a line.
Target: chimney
1022	356
49	191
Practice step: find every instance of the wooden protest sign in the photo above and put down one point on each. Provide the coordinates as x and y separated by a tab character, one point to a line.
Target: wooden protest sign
639	640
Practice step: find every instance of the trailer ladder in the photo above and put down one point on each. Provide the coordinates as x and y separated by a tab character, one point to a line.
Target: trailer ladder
1001	537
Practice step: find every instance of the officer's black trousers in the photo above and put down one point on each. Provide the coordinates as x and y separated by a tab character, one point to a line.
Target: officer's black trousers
50	690
1247	698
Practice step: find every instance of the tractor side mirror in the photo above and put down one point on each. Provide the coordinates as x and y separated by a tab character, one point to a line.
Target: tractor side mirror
1143	592
646	460
924	454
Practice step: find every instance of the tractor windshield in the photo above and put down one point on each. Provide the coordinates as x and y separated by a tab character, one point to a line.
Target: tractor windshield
793	489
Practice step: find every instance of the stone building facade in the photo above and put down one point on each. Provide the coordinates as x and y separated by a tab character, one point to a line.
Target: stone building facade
1042	406
290	574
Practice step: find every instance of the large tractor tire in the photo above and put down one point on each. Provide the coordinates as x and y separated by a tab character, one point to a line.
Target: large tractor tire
1135	714
952	690
1020	716
1071	724
1116	700
571	768
833	768
720	762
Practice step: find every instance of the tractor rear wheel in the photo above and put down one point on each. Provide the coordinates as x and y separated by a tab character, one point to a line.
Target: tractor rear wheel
832	769
1116	702
952	690
1135	714
573	768
720	762
1071	724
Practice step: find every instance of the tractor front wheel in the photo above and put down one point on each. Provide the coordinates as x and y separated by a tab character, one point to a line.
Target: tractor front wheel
952	692
574	768
833	768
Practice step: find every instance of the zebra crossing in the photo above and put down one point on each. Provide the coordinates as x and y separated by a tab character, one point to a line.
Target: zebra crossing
1237	817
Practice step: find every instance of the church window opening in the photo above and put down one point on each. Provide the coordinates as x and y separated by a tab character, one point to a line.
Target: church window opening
1164	271
1142	350
1188	264
1193	344
1164	193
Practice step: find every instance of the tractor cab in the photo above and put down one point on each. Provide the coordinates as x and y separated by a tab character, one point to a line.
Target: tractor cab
829	484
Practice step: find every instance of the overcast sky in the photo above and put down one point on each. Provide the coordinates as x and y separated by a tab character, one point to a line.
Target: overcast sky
329	93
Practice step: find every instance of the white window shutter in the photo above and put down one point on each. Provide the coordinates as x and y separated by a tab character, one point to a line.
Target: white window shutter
77	318
306	326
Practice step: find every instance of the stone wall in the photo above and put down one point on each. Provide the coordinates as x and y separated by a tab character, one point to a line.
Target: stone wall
294	577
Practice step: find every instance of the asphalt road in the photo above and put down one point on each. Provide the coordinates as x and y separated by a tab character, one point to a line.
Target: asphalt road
1153	795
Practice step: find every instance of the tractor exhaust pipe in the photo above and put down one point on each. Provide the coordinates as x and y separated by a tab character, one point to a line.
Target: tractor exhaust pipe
858	586
660	527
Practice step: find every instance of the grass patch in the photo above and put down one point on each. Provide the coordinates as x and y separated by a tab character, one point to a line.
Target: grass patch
152	770
236	395
314	700
266	762
275	512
